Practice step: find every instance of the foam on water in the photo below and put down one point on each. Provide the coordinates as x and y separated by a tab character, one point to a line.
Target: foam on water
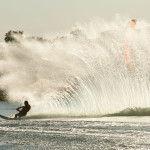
108	133
79	73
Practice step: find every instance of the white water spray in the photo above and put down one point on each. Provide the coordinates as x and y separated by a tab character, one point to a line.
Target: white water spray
81	73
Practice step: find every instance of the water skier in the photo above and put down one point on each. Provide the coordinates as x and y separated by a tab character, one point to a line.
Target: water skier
23	110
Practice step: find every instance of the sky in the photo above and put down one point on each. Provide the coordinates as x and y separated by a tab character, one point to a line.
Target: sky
39	17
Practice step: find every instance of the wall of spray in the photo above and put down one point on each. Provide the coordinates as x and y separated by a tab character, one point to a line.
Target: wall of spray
79	73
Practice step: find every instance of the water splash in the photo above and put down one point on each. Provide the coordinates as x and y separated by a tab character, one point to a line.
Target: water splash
80	73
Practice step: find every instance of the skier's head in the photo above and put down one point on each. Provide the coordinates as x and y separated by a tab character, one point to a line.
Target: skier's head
25	103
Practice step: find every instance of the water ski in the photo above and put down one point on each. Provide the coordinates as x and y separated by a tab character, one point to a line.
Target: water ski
8	118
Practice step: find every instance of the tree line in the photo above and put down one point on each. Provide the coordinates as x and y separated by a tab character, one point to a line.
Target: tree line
16	36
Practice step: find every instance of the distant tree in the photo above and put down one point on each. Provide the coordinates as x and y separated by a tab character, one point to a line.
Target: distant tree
13	36
10	36
34	38
2	95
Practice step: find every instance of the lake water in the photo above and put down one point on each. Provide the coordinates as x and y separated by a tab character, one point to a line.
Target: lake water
73	133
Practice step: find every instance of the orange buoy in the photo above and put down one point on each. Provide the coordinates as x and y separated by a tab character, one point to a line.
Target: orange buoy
128	38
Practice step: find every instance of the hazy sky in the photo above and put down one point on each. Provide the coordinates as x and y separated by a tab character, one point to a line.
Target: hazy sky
38	17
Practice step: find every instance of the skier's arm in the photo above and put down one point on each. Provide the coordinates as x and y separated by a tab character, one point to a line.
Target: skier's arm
18	109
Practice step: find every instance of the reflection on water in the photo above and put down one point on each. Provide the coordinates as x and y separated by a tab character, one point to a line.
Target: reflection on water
7	109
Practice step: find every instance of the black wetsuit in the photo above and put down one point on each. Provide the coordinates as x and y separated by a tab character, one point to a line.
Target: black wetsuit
23	111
